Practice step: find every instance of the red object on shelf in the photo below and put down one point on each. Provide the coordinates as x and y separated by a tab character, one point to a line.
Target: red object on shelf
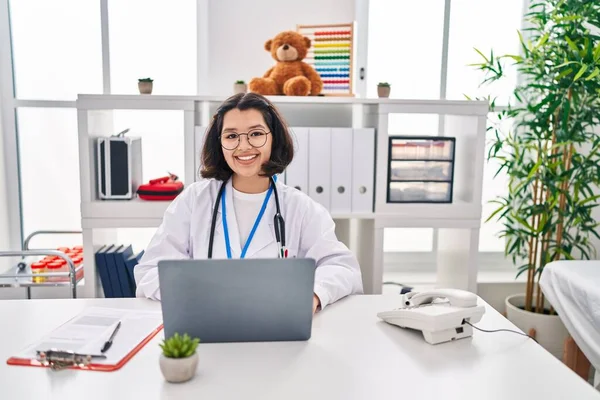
38	265
165	188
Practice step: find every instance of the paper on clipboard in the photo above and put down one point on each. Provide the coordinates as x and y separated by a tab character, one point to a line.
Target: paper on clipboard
87	332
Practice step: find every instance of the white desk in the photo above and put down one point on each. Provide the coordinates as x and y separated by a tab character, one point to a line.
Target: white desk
351	355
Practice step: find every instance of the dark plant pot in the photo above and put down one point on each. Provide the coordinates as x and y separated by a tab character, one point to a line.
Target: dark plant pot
383	91
145	87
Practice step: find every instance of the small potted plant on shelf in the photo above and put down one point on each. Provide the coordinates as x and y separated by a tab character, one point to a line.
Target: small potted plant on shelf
145	85
240	87
383	89
179	359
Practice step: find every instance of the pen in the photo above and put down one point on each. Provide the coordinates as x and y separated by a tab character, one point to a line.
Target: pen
110	339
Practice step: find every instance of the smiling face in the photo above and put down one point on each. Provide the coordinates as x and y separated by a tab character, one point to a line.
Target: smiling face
245	160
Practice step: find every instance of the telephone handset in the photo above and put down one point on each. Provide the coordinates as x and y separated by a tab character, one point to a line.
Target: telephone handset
456	298
440	314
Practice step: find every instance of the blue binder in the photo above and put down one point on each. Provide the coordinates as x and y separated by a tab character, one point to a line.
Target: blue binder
100	258
121	257
112	271
130	263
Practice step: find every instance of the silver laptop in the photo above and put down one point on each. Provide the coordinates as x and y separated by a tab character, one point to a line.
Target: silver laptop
248	300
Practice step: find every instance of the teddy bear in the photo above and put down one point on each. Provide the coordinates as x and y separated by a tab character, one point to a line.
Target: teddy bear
290	75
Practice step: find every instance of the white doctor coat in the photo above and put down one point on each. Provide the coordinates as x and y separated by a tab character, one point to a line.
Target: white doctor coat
309	231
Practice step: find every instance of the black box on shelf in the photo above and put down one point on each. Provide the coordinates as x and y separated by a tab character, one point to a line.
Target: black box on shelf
119	166
420	169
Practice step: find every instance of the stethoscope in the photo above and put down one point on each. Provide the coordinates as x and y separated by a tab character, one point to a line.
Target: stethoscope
278	221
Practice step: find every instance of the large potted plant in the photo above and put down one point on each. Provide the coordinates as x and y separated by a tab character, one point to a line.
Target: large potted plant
551	155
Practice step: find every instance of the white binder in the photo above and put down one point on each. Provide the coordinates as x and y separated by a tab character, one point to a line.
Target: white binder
296	174
319	166
341	170
363	170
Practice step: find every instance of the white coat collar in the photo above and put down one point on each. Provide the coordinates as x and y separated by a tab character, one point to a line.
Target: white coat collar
264	235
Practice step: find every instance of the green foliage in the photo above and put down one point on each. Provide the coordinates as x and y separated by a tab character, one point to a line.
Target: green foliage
551	154
178	346
383	84
145	80
240	82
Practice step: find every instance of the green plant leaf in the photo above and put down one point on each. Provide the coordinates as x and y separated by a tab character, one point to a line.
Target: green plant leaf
597	52
482	55
593	74
564	73
493	214
542	40
581	72
572	45
565	64
521	269
523	45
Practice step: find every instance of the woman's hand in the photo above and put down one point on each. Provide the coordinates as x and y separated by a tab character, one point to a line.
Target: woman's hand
316	303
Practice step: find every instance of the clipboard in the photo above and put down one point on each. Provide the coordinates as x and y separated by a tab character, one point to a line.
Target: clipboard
129	344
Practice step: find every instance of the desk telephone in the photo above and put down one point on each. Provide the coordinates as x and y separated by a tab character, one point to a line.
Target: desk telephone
439	314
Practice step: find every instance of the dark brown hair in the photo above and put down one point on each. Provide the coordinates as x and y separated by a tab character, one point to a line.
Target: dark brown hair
282	150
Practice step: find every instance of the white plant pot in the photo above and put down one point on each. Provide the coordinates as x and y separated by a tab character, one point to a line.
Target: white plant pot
550	332
240	88
178	370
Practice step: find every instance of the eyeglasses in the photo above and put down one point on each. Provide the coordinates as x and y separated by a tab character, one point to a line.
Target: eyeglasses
256	138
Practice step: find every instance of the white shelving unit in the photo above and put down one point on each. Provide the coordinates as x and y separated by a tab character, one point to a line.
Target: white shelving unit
458	222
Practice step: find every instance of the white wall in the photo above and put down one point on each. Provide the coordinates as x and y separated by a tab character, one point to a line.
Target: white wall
239	29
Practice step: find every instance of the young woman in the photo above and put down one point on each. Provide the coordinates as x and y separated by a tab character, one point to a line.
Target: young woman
246	145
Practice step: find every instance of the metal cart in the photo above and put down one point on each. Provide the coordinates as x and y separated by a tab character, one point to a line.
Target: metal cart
21	276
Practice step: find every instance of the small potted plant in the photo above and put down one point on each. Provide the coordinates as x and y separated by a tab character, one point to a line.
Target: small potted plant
179	359
383	89
145	85
240	87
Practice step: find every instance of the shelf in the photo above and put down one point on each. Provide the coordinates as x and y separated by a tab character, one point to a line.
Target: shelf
431	214
421	180
352	215
16	278
464	119
124	209
146	214
140	213
421	159
115	101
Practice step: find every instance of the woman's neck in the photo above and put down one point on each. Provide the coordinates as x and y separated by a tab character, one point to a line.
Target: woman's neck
255	184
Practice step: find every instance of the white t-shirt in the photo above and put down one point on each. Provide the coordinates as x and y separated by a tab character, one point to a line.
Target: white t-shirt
247	206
